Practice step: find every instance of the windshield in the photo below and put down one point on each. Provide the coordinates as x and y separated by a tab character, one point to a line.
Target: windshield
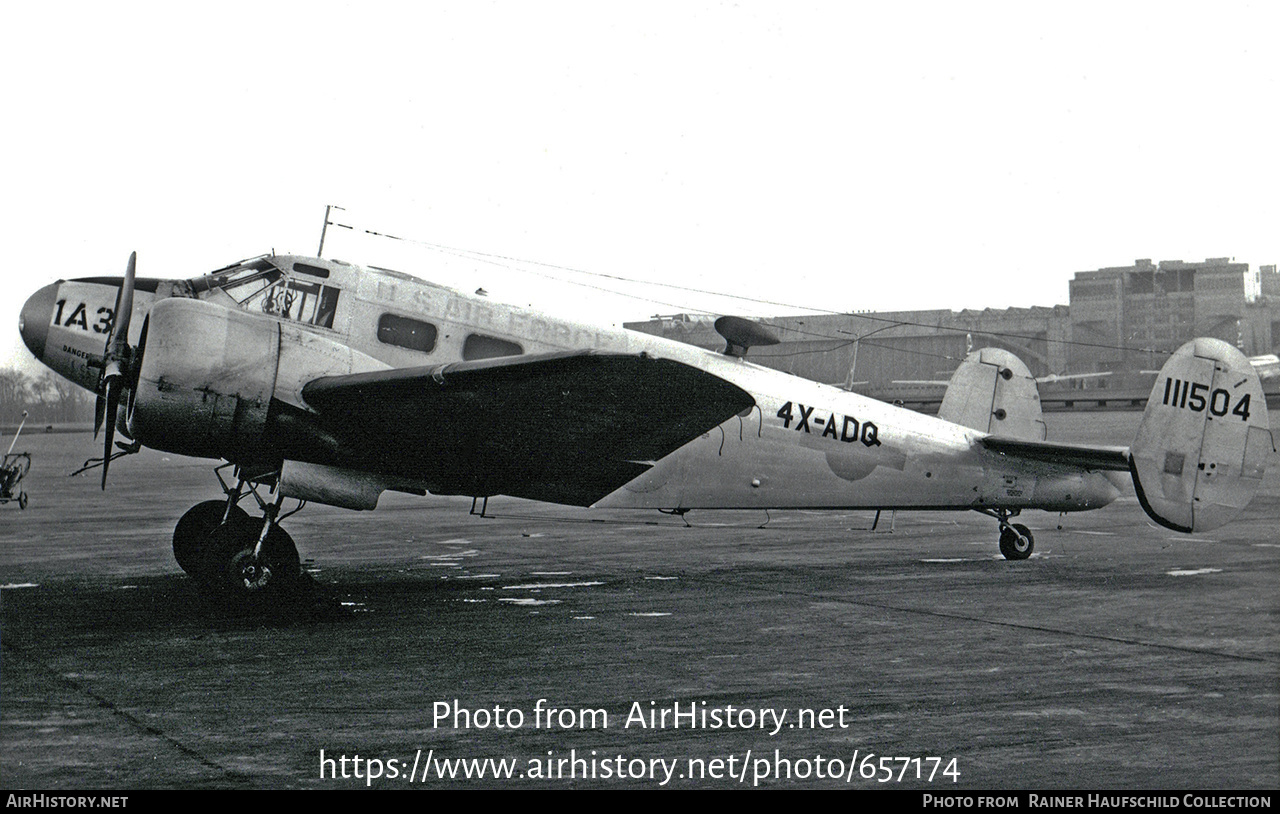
249	281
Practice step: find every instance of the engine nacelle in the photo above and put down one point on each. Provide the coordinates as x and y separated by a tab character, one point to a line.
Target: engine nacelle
334	486
206	380
209	374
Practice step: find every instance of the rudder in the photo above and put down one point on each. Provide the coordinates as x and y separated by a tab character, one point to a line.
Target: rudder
1202	447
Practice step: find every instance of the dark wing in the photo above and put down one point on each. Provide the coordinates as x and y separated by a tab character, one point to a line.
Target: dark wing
564	427
1111	458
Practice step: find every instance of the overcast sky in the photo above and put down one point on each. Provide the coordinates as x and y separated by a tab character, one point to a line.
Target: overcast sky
844	156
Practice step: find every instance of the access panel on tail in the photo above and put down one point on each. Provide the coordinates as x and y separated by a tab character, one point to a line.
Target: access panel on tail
1202	447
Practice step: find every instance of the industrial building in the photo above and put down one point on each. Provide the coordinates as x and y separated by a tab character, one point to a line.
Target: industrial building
1129	318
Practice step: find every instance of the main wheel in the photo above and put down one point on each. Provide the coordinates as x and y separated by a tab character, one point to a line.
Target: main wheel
22	500
194	528
229	568
1016	542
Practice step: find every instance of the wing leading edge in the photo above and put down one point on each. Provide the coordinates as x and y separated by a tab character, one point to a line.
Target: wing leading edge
564	427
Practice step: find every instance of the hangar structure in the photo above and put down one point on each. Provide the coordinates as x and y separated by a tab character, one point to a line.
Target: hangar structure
1121	322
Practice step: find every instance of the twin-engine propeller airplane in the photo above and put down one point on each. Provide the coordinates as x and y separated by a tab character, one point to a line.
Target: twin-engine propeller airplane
324	381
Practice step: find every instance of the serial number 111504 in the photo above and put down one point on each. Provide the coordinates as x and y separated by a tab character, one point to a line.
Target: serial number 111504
1197	397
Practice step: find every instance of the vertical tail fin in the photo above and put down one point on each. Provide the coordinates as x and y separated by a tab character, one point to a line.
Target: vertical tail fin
1202	447
993	391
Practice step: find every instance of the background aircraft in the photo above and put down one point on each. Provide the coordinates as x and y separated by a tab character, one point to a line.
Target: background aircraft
1266	366
318	380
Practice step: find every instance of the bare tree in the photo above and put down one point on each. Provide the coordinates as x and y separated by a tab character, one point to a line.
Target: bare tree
47	397
14	393
64	401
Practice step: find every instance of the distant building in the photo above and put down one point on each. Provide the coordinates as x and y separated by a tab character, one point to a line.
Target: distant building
1128	318
1265	314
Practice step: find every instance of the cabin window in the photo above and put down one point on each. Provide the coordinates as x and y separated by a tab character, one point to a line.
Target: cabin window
479	346
406	333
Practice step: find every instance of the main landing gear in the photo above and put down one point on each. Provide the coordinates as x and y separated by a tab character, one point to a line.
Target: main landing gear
1016	540
233	555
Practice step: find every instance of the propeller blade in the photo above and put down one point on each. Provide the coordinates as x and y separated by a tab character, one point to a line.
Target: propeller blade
99	410
116	365
113	404
124	309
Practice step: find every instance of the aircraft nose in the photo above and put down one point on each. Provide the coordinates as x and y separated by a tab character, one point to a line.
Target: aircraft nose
33	324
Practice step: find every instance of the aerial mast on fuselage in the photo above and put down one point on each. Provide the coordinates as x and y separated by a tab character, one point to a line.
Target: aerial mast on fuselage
329	208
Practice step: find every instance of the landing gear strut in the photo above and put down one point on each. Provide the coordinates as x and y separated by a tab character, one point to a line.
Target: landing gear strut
1016	540
233	555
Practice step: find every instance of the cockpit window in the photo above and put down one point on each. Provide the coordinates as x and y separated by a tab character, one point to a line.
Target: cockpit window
248	281
261	286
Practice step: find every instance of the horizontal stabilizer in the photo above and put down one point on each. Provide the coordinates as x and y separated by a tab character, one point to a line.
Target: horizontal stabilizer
1115	459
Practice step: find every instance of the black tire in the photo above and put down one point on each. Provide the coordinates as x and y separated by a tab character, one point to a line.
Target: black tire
227	568
22	500
193	531
1016	542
